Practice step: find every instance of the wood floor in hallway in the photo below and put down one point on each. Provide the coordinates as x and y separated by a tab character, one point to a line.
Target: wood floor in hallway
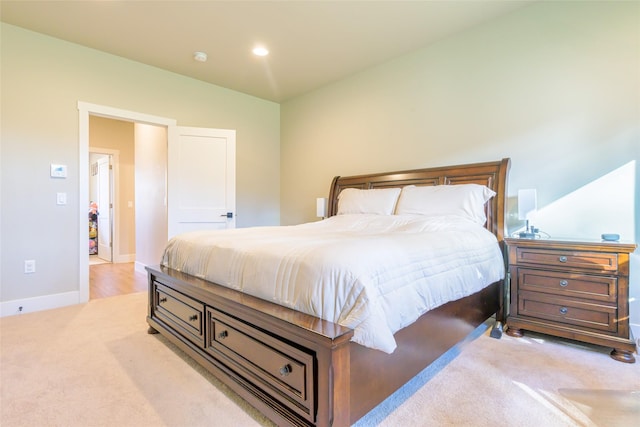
111	279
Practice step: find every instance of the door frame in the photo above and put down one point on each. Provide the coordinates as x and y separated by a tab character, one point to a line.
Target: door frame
85	110
115	190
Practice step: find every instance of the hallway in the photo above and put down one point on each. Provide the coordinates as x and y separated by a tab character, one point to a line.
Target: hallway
111	279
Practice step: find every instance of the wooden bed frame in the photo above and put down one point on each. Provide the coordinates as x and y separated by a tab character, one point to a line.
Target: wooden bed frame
298	369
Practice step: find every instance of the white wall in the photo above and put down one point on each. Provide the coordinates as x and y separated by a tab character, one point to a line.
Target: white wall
151	193
42	81
555	86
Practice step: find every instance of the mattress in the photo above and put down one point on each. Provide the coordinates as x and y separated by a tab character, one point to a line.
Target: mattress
373	273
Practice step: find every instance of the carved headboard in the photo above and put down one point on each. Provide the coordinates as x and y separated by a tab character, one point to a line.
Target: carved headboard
492	174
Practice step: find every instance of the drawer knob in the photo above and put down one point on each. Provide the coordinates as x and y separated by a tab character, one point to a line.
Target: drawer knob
285	370
193	318
564	310
562	258
222	335
564	283
163	299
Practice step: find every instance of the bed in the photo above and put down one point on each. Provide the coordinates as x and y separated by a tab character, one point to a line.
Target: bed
309	366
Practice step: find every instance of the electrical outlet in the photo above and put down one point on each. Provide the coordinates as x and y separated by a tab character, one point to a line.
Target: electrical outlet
29	266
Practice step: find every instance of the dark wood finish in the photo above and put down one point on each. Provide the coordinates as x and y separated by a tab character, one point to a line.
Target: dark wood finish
572	289
301	370
491	174
376	375
184	314
318	345
286	370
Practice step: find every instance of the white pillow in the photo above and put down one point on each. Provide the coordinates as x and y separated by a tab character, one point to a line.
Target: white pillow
465	200
380	201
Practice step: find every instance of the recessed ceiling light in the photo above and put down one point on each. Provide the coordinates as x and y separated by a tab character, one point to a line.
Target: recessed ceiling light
200	56
260	51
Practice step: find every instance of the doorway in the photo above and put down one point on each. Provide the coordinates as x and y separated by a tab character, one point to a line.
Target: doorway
102	163
123	200
104	208
122	212
187	150
126	202
111	185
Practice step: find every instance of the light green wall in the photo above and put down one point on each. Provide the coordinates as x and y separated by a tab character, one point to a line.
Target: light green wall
555	86
42	81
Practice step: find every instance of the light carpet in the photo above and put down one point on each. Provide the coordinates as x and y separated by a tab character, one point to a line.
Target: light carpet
95	365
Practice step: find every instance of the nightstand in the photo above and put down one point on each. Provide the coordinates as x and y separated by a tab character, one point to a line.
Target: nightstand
571	289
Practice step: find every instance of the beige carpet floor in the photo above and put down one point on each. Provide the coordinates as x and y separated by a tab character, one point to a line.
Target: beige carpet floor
95	365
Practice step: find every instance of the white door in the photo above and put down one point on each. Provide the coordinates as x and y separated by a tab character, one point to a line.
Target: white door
201	181
104	208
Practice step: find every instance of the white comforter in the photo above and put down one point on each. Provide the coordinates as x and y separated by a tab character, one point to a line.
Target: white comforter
375	274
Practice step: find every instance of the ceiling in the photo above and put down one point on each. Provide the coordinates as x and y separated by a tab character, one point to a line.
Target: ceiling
311	43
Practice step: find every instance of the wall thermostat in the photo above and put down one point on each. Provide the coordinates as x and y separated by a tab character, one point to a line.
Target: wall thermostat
58	171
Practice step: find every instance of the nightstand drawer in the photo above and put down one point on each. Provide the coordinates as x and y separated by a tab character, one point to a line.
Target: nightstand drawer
583	260
601	317
591	287
576	289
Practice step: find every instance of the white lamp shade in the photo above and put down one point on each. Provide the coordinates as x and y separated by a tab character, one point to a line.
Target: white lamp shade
321	207
527	203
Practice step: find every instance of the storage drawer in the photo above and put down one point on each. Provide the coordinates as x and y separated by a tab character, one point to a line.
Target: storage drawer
601	317
597	288
182	313
267	360
582	260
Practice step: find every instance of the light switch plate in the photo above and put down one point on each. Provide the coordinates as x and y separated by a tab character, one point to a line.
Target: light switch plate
61	198
29	266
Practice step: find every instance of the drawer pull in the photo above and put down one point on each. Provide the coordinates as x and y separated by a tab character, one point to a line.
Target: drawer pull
564	310
163	299
562	258
222	335
193	318
285	370
564	283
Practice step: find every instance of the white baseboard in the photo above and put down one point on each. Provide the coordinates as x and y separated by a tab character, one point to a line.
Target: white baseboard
140	267
124	258
45	302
